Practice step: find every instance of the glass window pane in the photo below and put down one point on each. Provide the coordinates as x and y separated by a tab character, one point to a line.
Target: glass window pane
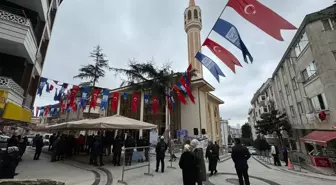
325	101
326	24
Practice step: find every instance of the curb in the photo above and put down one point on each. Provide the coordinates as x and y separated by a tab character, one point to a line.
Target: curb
292	172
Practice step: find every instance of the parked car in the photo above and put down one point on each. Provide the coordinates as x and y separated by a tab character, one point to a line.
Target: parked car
252	151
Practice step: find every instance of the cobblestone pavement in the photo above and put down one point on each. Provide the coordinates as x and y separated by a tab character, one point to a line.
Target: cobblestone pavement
75	173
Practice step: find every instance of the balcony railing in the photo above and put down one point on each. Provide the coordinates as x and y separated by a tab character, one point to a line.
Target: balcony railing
5	14
8	83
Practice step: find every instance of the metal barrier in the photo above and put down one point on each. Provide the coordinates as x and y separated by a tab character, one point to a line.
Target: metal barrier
135	167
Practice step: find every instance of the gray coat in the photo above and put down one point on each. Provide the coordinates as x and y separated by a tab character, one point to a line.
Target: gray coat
201	176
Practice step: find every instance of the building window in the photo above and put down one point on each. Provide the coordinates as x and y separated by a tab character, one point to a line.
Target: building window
300	108
290	61
329	24
334	52
301	45
287	89
189	14
259	112
265	109
195	14
271	91
266	93
319	102
309	72
292	110
294	83
263	98
282	70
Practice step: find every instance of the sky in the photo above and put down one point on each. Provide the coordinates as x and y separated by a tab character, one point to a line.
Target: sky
154	30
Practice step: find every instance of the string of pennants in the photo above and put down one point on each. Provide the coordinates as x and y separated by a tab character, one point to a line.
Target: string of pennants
256	13
69	101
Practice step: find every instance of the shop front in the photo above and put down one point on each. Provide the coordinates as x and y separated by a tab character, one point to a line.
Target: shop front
321	146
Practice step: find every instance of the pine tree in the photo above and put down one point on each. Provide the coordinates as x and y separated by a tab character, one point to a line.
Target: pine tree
246	131
149	78
93	72
273	122
96	71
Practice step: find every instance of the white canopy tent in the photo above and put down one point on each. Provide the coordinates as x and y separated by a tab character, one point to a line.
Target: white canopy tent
111	122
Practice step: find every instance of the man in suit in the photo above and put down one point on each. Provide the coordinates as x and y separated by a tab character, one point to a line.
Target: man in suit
240	155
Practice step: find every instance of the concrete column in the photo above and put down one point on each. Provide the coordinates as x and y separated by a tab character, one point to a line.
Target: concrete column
118	107
142	107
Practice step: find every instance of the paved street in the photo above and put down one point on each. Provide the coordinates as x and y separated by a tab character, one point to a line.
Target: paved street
82	174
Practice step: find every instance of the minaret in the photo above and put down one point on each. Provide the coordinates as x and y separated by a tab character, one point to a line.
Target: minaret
193	26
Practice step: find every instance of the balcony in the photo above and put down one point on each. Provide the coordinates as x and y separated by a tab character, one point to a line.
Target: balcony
16	34
15	92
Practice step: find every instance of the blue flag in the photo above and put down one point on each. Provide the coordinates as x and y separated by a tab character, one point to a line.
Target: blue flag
146	98
230	32
85	91
43	82
171	99
125	95
103	104
210	64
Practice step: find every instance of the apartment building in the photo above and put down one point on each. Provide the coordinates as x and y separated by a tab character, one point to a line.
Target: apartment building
304	83
25	32
261	103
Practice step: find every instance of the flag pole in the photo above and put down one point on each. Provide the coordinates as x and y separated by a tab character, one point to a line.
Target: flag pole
214	25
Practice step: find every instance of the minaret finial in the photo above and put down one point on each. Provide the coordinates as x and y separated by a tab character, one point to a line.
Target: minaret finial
191	2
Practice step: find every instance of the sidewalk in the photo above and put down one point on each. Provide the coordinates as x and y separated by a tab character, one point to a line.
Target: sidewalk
302	173
44	169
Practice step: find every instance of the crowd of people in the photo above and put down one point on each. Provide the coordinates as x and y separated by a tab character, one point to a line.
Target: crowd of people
97	146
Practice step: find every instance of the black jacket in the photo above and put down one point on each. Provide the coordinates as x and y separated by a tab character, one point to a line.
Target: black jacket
240	155
161	149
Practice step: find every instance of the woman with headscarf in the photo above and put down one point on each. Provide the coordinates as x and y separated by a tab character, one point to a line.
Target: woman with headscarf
213	157
199	157
188	165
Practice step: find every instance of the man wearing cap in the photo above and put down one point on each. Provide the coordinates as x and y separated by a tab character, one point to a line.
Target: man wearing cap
160	150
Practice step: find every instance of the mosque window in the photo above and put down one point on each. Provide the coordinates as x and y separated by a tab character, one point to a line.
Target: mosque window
195	14
189	14
200	14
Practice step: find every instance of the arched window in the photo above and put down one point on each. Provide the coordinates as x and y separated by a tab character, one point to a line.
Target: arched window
200	14
189	14
195	14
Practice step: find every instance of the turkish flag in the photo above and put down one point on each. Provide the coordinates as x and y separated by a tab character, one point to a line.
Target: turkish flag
135	100
184	83
155	104
115	99
94	98
224	55
179	95
261	16
73	93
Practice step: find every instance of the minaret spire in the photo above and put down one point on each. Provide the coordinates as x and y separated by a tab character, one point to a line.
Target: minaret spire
191	3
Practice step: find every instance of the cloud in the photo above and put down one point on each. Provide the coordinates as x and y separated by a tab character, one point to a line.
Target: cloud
154	29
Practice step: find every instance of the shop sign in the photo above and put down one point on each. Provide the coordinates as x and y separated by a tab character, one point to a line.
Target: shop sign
322	162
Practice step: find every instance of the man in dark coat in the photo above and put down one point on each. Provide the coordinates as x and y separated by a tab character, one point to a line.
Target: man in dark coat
117	145
38	147
188	165
160	150
129	143
9	162
13	141
51	141
240	155
212	155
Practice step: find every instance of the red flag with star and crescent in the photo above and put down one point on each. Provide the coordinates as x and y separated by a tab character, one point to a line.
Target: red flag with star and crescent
155	104
94	98
262	17
135	100
179	95
187	88
224	55
73	93
115	99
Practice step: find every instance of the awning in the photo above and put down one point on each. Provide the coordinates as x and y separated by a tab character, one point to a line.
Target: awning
319	137
17	113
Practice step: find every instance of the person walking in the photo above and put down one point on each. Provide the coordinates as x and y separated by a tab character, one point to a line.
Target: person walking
160	150
212	155
129	143
240	155
275	154
188	165
199	157
117	146
38	147
51	141
285	155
